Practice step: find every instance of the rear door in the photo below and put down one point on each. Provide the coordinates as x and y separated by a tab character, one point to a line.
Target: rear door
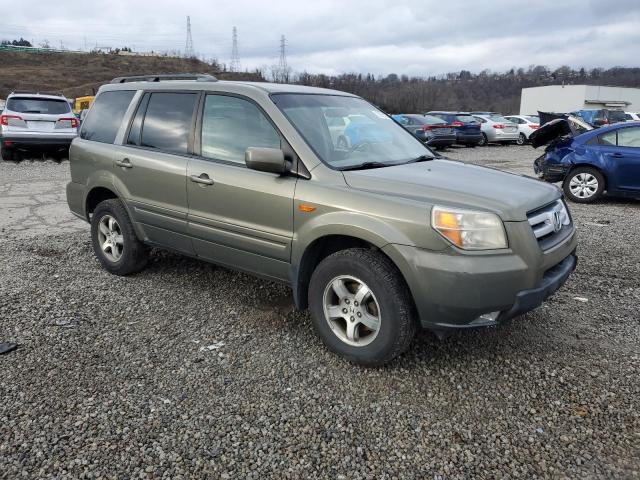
151	166
239	217
624	159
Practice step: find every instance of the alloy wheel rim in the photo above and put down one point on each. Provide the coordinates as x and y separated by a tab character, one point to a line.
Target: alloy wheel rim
521	139
351	310
110	238
583	185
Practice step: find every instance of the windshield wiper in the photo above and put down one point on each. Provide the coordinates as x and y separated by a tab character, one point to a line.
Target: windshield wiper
422	158
366	165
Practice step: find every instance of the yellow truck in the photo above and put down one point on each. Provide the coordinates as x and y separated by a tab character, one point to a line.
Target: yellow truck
82	103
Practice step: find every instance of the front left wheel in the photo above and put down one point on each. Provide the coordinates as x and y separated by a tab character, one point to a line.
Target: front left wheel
361	308
522	139
114	241
584	185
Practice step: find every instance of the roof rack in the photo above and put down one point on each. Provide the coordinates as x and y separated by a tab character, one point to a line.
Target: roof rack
198	77
33	92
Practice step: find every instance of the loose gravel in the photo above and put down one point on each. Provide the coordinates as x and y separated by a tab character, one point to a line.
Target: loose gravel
192	370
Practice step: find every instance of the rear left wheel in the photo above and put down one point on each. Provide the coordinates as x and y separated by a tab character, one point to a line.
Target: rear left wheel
7	154
361	308
522	139
114	240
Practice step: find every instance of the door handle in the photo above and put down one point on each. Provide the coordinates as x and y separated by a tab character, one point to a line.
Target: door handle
124	163
203	178
617	155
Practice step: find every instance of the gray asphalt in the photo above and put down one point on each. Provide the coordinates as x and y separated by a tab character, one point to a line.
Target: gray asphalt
191	370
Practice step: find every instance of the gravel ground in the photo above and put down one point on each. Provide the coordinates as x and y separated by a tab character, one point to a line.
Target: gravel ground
191	370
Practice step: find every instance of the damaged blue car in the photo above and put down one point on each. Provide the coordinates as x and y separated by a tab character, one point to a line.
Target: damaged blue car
589	162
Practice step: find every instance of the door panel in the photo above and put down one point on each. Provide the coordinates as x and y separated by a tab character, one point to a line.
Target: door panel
620	153
244	219
154	185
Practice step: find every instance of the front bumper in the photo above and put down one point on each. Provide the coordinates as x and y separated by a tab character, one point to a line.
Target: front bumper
550	172
454	290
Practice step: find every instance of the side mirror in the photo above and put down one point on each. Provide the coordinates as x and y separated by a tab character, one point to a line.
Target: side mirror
265	160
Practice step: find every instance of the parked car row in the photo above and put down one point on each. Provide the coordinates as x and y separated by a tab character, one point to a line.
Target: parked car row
444	128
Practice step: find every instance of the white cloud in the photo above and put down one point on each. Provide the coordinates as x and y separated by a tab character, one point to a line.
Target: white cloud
377	36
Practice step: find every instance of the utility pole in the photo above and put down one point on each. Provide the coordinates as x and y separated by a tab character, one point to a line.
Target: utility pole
235	56
188	48
283	70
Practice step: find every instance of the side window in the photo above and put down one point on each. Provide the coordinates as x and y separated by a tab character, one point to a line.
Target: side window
167	122
629	137
106	114
608	138
230	125
136	125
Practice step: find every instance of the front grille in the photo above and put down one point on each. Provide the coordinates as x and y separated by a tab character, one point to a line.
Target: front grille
550	224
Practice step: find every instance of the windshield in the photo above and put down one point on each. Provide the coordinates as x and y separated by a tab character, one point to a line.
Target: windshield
38	105
365	136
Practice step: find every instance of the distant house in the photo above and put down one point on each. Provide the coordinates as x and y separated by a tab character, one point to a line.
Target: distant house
567	98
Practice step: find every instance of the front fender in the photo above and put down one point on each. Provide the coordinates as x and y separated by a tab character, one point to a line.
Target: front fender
352	224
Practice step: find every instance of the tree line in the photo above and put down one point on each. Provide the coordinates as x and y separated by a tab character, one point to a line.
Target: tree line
464	90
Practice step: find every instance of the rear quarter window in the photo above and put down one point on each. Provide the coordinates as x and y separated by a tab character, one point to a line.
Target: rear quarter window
106	114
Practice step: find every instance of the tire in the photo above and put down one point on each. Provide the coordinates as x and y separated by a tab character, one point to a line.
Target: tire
388	305
584	185
124	257
522	139
7	154
483	141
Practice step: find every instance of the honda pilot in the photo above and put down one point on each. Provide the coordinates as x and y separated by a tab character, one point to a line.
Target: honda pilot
376	238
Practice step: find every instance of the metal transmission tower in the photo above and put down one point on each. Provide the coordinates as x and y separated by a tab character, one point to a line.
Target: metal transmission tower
188	48
283	69
235	56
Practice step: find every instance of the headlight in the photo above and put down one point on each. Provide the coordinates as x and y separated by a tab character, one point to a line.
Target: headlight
468	229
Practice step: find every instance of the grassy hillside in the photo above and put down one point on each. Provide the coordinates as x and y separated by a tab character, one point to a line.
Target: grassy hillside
81	74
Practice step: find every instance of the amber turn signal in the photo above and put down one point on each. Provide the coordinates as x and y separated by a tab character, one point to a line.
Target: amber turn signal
304	207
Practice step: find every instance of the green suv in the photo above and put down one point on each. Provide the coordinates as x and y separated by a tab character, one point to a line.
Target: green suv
375	234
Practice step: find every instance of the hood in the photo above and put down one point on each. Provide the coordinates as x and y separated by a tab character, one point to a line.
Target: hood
560	127
457	184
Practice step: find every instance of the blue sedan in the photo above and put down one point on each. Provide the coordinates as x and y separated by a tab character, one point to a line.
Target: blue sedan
588	164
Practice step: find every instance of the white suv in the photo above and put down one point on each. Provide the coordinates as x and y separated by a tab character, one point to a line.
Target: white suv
37	120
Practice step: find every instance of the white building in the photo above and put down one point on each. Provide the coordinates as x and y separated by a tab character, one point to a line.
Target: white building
567	98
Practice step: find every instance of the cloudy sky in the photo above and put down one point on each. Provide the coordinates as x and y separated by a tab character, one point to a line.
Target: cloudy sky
415	37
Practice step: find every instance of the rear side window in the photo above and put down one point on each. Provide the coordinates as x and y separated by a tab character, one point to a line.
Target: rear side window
629	137
230	125
608	138
106	114
167	122
48	106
